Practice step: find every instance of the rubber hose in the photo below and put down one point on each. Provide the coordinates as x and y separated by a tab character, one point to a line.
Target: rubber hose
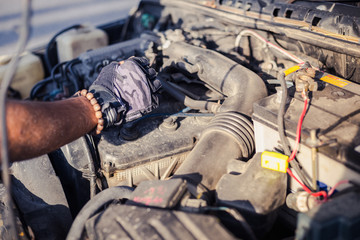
52	41
187	101
36	88
92	206
91	167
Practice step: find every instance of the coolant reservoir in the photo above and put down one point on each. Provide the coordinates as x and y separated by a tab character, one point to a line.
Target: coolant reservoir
29	71
74	42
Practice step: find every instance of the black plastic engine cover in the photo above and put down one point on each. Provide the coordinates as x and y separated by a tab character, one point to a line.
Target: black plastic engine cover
131	222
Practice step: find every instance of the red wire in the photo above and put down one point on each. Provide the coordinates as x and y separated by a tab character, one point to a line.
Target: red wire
332	190
293	154
316	194
295	58
298	130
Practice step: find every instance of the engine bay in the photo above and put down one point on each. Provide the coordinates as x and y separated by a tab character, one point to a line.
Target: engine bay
256	135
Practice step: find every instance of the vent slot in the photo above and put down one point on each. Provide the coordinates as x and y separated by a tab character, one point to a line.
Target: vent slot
315	22
288	13
276	12
248	6
238	4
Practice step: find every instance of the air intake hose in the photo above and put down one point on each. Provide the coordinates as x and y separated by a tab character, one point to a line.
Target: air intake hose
230	135
241	86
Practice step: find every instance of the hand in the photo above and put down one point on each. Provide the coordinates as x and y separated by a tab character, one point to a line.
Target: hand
126	91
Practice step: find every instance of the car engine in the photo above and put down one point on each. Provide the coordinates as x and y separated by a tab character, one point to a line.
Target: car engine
256	135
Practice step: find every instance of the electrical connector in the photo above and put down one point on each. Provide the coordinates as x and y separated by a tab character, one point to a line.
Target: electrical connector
304	79
274	161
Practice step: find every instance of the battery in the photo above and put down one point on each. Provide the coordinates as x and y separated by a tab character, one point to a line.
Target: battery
334	113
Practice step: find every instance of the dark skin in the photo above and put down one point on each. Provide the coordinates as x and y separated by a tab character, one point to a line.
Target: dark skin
37	128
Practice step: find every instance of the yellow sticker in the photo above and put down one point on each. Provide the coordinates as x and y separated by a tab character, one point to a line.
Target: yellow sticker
339	82
291	70
274	161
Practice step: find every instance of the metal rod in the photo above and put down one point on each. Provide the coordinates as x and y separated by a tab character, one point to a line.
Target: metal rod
314	159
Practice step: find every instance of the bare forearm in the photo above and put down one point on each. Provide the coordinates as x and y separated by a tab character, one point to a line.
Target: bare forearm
36	128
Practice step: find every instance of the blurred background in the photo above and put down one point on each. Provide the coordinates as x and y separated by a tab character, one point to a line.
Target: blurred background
51	16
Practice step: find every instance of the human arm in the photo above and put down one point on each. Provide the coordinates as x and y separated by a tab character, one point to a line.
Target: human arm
124	92
36	128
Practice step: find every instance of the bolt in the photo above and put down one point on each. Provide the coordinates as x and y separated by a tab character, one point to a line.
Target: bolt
338	93
106	166
169	124
311	72
129	133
